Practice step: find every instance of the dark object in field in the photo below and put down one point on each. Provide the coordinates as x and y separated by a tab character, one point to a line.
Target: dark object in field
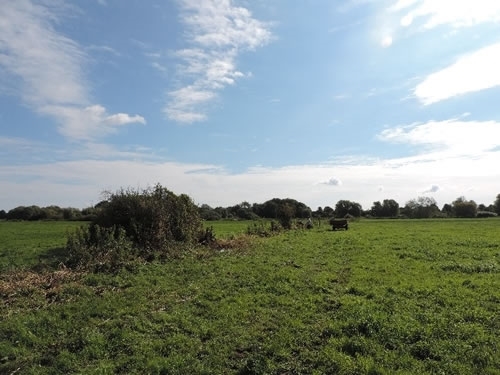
339	224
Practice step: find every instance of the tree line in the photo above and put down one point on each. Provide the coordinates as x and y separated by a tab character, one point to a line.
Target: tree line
421	207
276	208
33	213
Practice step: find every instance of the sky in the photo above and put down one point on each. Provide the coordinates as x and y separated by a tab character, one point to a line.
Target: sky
248	100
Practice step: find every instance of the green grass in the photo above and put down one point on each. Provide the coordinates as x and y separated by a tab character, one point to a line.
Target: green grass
231	228
384	297
27	243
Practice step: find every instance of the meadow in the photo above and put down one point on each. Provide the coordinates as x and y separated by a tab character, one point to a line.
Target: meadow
384	297
27	243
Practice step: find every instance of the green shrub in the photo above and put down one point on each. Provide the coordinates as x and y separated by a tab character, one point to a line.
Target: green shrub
98	248
153	218
481	214
285	215
145	223
260	229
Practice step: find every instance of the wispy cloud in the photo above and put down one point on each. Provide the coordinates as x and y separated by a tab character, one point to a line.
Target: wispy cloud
454	137
161	68
457	14
89	122
7	142
216	33
48	64
46	69
341	96
470	73
473	71
105	49
16	151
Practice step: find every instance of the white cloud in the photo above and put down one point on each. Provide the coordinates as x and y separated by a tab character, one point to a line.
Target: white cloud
432	189
90	122
333	182
120	118
470	73
217	32
185	103
49	64
46	69
161	68
407	20
402	4
463	13
453	137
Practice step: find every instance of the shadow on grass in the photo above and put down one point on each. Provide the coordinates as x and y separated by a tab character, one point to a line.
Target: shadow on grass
51	258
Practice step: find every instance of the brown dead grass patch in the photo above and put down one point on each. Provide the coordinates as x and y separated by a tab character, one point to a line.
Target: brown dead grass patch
26	282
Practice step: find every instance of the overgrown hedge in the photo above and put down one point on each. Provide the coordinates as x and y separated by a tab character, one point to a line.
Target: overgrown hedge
132	223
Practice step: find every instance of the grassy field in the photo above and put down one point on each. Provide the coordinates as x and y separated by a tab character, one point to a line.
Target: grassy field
384	297
231	228
27	243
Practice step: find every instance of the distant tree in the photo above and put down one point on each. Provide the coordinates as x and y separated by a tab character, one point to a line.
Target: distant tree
345	207
302	211
256	208
245	205
104	203
285	215
390	208
464	208
3	215
70	213
377	209
53	212
242	211
208	213
422	207
271	209
483	207
223	213
497	204
25	213
447	209
89	213
318	213
328	211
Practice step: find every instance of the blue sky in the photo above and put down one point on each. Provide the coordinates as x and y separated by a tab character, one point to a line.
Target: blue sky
249	100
